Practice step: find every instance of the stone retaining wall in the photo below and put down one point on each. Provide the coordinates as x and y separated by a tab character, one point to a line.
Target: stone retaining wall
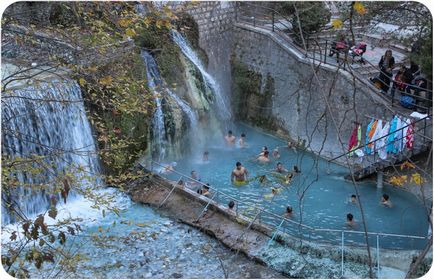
299	106
292	256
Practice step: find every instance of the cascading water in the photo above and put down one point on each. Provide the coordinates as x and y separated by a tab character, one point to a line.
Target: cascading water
47	121
155	82
223	108
192	116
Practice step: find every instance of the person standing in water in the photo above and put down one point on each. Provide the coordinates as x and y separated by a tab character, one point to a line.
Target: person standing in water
242	140
239	174
230	139
205	156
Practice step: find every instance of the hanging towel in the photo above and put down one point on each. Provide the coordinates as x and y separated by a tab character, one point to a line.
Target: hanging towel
352	143
377	134
410	136
391	138
382	151
370	130
398	136
359	152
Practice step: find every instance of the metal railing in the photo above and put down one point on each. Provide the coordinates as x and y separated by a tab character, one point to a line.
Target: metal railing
272	20
277	228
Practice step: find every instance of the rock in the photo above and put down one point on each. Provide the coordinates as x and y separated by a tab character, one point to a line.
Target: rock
176	275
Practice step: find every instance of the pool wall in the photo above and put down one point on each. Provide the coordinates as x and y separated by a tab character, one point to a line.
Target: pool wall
232	230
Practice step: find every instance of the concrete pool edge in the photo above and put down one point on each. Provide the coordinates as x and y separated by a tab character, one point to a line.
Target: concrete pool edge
220	223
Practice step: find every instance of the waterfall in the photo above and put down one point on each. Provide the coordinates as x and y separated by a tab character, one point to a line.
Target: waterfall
47	120
223	108
156	84
192	116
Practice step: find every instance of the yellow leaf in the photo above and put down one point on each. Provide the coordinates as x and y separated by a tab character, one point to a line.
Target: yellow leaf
417	179
147	21
158	23
407	164
398	180
359	8
124	22
106	80
337	23
82	81
130	32
167	24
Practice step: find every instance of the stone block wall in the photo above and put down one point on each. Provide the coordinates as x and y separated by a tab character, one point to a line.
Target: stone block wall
305	106
300	101
215	20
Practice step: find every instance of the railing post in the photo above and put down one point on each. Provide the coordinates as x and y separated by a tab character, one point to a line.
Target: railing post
254	21
325	52
424	130
272	17
378	256
342	253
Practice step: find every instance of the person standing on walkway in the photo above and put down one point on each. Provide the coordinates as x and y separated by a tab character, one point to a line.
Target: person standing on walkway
386	64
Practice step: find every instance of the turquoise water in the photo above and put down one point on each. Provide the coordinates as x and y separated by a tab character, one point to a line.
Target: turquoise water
319	195
141	243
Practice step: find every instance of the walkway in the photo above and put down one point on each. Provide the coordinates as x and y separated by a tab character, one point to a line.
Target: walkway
318	45
264	20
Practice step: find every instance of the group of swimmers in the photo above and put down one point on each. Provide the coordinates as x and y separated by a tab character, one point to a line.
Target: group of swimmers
384	201
239	176
231	139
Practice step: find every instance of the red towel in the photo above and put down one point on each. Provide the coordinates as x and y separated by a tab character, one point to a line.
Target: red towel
353	139
410	136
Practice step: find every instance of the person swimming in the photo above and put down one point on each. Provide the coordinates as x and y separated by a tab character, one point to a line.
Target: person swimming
276	153
264	148
288	178
353	199
385	201
280	168
289	212
231	206
230	139
350	220
242	141
265	157
168	168
239	174
204	190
